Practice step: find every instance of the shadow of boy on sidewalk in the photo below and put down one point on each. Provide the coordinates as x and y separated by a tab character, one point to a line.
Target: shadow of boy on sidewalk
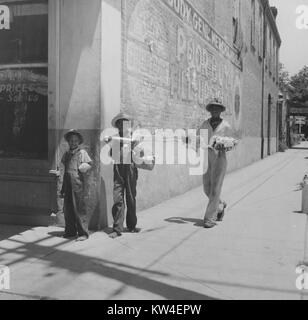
179	220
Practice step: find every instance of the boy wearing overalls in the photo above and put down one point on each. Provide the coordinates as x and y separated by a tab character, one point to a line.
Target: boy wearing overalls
217	165
73	188
125	179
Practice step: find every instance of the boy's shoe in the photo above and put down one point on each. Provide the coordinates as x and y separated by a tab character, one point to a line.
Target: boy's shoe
83	237
69	236
209	224
221	214
134	230
115	234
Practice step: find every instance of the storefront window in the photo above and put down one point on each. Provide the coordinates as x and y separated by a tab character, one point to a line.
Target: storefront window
24	81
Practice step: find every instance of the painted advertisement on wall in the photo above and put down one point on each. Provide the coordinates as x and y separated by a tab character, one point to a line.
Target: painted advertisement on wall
175	63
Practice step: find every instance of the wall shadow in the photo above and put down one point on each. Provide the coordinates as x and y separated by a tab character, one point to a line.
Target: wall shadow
78	264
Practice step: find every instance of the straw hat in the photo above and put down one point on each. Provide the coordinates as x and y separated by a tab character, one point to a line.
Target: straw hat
120	116
73	132
215	104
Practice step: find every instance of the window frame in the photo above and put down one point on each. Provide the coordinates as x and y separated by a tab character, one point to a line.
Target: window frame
43	167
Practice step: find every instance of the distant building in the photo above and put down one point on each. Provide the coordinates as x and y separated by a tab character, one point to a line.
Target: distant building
297	120
73	63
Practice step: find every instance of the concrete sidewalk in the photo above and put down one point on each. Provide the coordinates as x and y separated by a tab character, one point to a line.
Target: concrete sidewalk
251	255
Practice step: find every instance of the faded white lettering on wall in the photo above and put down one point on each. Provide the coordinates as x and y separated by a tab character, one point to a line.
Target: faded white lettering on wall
172	69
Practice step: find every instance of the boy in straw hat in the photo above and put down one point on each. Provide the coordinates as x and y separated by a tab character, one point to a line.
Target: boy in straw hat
125	177
217	164
76	162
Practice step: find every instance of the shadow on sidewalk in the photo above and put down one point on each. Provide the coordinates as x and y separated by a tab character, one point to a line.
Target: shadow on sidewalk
299	212
57	234
179	220
8	231
127	275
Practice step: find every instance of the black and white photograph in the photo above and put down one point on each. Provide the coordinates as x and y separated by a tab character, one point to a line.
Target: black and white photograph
154	151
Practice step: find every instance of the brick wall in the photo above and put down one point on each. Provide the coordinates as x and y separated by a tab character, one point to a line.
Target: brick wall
164	82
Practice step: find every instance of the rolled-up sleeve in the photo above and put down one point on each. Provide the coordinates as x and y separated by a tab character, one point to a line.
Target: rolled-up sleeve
85	158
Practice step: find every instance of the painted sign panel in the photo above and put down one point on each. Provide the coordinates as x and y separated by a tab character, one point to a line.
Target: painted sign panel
190	16
175	64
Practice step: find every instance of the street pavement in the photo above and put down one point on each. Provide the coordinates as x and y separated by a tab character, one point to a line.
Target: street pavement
252	254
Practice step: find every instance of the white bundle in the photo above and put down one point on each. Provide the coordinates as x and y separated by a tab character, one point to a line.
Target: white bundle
84	168
227	143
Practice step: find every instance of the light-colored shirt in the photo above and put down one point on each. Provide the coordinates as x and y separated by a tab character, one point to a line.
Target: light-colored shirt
223	130
73	159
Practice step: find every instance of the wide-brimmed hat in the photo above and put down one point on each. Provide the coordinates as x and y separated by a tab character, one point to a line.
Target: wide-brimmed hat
215	104
73	132
120	116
